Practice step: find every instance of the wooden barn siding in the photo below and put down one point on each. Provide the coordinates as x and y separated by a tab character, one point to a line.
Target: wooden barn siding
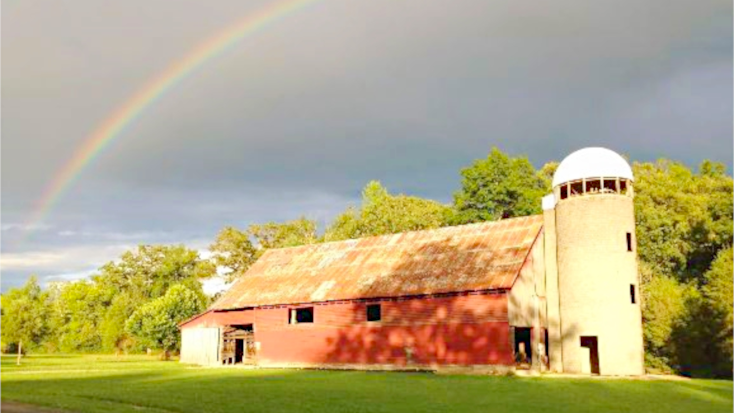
200	345
462	330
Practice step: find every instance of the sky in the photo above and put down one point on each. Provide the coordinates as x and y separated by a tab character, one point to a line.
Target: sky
296	118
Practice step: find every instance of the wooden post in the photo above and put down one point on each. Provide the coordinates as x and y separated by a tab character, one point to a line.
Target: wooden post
20	347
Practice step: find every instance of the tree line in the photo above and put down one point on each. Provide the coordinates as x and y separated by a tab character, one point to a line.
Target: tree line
684	233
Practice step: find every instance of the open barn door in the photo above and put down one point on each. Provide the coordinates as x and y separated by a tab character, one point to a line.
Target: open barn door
238	344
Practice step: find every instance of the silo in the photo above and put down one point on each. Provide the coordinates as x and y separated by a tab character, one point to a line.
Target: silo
598	296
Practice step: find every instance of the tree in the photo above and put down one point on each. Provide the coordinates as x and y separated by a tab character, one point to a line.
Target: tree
111	327
546	175
90	315
77	313
382	213
347	225
663	307
683	218
233	250
701	340
719	307
155	324
498	187
24	316
138	277
301	231
148	271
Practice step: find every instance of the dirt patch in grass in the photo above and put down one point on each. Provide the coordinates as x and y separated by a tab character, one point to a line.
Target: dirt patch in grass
15	407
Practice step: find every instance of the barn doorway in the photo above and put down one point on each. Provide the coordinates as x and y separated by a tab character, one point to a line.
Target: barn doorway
523	350
238	344
239	350
589	355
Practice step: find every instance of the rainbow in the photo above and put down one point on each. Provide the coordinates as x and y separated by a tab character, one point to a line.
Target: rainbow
114	125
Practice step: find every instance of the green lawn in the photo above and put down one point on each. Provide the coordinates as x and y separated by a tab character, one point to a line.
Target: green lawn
141	384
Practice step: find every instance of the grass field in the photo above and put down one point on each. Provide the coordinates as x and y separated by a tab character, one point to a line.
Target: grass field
142	384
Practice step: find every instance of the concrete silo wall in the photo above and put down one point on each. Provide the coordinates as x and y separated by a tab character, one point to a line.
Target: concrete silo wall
595	274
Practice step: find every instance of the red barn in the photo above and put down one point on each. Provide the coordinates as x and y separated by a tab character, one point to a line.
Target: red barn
419	299
558	290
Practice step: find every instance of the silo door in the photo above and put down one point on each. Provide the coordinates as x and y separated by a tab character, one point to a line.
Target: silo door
589	355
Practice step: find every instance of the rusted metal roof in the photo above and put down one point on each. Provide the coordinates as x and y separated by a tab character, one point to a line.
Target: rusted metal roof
473	257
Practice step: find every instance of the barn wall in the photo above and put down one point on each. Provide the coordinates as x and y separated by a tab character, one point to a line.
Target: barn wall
218	319
460	330
526	306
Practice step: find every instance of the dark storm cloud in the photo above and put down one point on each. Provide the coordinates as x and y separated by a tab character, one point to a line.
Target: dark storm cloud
296	119
327	110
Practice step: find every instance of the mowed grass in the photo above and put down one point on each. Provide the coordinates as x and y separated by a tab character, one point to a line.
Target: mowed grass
142	384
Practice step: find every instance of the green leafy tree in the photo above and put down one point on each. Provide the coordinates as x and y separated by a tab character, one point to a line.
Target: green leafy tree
546	175
663	307
155	324
301	231
382	213
234	251
138	277
90	315
498	187
77	313
24	317
683	218
347	225
113	336
150	270
718	302
237	250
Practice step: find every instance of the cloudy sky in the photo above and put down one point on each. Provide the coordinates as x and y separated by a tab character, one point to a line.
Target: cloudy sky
298	117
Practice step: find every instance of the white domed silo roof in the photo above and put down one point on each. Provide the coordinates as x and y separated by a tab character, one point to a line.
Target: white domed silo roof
592	163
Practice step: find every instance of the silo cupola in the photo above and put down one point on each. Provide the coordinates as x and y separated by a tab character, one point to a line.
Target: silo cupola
592	171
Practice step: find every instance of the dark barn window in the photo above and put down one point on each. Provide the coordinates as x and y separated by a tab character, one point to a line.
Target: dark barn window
632	294
301	315
629	241
374	312
244	327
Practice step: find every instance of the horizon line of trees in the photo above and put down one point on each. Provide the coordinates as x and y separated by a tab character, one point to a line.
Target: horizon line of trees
684	231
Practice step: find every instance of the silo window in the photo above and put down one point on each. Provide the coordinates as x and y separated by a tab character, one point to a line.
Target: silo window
593	186
564	191
623	186
610	186
632	294
577	188
629	241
